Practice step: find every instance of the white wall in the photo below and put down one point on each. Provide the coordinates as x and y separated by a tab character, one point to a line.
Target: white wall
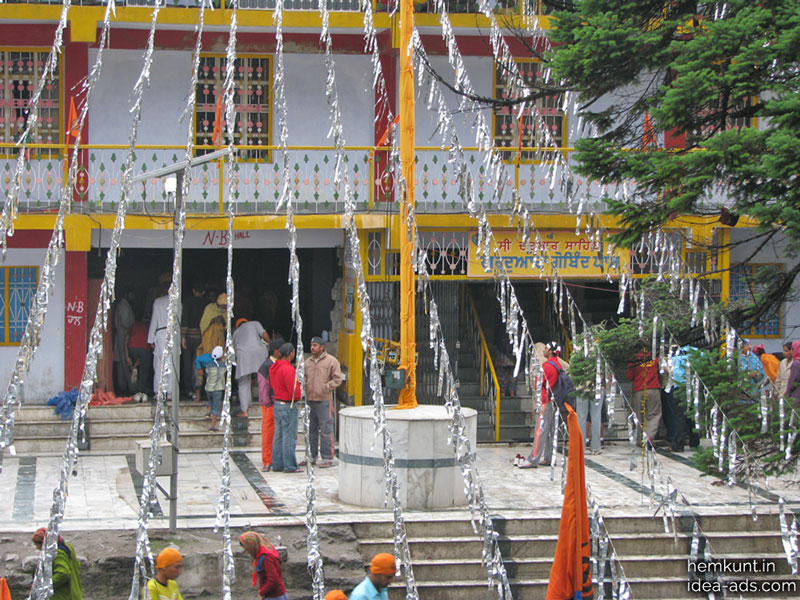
46	377
165	99
771	253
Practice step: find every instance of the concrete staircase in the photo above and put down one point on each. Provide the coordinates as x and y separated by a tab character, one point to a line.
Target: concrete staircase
118	428
446	554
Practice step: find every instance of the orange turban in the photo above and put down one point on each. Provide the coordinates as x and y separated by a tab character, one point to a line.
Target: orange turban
382	564
335	595
168	557
40	534
240	321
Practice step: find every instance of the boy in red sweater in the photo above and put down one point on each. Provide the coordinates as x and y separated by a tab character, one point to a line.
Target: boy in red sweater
285	395
646	398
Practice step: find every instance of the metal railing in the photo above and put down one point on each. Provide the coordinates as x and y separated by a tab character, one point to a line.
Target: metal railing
256	181
488	382
503	7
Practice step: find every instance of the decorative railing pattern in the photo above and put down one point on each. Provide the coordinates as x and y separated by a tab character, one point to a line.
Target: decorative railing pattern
256	183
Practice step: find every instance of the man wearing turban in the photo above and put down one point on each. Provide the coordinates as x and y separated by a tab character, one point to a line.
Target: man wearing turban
375	586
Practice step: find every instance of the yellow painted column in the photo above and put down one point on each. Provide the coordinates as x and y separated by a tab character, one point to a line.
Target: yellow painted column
407	232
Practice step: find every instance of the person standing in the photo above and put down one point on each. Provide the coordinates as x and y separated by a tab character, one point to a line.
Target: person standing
169	566
215	369
267	572
793	385
769	363
249	344
782	380
66	568
542	451
646	397
193	308
751	365
382	571
213	324
123	319
140	356
267	404
286	393
157	335
323	376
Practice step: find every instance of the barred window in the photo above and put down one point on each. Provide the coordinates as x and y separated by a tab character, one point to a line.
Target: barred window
744	288
20	74
17	290
512	129
252	97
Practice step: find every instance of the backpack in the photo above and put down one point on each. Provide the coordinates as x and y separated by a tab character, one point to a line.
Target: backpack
563	392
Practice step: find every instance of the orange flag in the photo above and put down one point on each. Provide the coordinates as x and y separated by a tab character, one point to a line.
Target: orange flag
216	134
571	573
5	593
73	125
649	134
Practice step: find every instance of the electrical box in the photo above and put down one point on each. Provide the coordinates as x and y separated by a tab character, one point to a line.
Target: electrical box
395	379
143	455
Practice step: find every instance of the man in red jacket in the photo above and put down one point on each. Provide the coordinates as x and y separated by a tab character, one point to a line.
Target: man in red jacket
542	451
285	395
646	398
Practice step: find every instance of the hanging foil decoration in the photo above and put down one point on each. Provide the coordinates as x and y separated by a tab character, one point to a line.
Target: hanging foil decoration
31	338
43	579
720	452
764	409
715	430
789	538
11	203
223	517
781	418
732	460
792	435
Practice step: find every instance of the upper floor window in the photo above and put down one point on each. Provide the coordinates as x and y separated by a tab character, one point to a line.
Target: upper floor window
252	97
512	129
744	288
20	74
17	290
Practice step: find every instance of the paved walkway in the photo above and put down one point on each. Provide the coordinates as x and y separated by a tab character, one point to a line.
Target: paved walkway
104	494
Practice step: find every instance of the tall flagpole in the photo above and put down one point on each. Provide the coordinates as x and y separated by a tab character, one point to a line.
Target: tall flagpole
407	230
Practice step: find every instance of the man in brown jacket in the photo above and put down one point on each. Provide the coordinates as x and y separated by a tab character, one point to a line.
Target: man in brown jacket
323	375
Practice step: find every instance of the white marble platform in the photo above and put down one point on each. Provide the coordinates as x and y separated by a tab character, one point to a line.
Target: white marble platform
427	470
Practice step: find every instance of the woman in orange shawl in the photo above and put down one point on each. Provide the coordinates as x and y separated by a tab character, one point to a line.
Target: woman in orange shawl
267	573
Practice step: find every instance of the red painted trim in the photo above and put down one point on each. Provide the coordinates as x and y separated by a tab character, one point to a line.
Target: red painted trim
474	45
674	140
75	317
28	34
30	238
384	190
246	43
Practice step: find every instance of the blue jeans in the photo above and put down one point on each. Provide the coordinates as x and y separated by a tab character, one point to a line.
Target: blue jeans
285	438
215	401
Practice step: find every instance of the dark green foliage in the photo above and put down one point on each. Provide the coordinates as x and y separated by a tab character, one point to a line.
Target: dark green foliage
698	76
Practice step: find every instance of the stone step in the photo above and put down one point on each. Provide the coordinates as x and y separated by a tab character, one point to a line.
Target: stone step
508	433
507	417
125	444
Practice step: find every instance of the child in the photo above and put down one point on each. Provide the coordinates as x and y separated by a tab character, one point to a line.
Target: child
215	381
267	573
169	565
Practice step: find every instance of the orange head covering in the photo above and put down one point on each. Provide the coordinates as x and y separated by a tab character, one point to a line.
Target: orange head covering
382	564
168	557
239	322
252	541
40	534
335	595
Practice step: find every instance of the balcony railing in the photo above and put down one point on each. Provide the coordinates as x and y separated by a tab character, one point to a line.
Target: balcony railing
421	6
256	184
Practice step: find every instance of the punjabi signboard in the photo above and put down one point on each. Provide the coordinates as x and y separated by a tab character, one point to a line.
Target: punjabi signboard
560	252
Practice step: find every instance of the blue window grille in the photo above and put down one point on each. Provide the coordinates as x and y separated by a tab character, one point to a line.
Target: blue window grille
743	287
17	291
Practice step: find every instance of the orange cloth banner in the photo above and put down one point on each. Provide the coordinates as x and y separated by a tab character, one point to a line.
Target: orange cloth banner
5	593
571	573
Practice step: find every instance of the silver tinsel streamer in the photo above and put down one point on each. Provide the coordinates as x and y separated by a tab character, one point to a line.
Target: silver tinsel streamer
788	536
43	580
601	542
31	338
782	417
764	409
224	504
732	460
51	66
722	444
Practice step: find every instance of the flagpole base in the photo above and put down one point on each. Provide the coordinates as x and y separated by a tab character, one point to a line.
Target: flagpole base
428	473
